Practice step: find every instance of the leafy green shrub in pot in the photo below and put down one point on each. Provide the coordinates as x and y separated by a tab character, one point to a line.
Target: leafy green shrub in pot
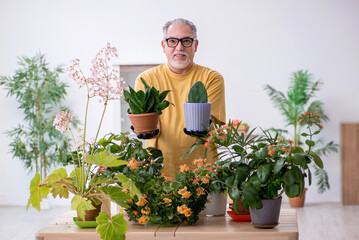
300	97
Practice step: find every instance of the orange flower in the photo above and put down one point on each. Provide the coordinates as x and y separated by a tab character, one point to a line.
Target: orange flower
271	152
188	212
135	213
129	200
126	190
286	150
143	219
133	164
200	191
205	180
184	168
184	192
167	200
145	211
142	202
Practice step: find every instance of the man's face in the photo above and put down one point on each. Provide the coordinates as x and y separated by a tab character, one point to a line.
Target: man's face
180	58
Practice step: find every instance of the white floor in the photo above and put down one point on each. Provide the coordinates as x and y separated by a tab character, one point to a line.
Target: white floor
315	221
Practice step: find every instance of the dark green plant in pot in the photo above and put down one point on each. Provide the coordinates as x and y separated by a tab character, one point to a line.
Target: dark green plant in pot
300	97
148	101
39	93
197	111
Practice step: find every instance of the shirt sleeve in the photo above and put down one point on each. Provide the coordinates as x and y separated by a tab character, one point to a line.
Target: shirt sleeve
216	96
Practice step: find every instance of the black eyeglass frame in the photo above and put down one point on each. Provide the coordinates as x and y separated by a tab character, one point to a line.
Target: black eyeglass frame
180	40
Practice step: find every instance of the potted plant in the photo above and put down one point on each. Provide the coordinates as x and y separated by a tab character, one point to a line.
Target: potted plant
145	107
39	93
197	111
278	166
85	182
164	200
300	98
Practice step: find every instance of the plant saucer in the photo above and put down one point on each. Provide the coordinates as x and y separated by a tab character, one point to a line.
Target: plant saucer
239	218
85	224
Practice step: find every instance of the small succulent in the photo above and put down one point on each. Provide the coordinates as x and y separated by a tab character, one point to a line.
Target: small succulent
149	101
197	93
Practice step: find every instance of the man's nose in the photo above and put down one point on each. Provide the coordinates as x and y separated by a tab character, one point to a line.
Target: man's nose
179	46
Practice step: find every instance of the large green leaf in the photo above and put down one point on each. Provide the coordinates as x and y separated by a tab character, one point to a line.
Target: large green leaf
263	172
111	229
58	188
36	192
317	160
116	194
278	166
126	182
81	204
104	160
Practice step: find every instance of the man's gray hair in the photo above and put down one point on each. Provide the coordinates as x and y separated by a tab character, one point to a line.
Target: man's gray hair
182	21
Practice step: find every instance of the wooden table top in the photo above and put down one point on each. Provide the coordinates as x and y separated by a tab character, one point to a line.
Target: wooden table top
63	228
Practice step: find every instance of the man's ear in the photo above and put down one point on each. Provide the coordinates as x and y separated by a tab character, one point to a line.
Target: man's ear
163	45
195	45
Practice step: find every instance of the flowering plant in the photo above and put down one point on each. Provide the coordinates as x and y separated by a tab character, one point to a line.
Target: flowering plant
164	200
86	182
263	167
168	201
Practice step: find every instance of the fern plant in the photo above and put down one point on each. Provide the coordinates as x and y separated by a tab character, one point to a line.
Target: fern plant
299	98
38	91
148	101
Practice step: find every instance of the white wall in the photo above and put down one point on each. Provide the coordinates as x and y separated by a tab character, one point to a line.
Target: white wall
251	43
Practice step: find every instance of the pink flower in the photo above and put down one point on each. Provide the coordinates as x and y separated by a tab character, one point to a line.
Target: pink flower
104	82
62	120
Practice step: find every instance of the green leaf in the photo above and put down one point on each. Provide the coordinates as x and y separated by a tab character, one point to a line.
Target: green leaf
293	190
116	194
263	172
304	134
126	182
110	229
104	160
234	193
292	176
310	143
317	160
81	204
278	166
36	192
197	93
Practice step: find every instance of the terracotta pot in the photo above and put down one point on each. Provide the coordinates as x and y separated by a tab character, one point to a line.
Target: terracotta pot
298	201
144	123
268	215
241	209
90	215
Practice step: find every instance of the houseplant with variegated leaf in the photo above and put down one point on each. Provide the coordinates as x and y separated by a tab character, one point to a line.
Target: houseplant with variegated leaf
86	182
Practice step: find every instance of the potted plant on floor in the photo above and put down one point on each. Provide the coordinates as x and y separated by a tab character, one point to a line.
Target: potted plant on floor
39	92
145	108
85	182
300	98
197	111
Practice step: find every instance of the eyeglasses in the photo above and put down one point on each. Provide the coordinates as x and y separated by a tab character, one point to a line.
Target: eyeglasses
173	42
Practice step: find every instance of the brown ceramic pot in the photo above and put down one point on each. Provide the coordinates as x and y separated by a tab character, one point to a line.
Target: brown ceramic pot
144	123
241	210
298	201
90	215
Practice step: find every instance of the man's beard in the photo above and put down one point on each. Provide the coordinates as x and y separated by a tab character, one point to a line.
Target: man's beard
179	64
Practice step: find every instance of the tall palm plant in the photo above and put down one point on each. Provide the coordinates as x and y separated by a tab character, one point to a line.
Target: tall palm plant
299	98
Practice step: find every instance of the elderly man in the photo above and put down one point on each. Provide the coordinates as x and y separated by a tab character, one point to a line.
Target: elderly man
179	74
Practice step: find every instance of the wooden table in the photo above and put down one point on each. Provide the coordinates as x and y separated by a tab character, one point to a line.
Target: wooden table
209	228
